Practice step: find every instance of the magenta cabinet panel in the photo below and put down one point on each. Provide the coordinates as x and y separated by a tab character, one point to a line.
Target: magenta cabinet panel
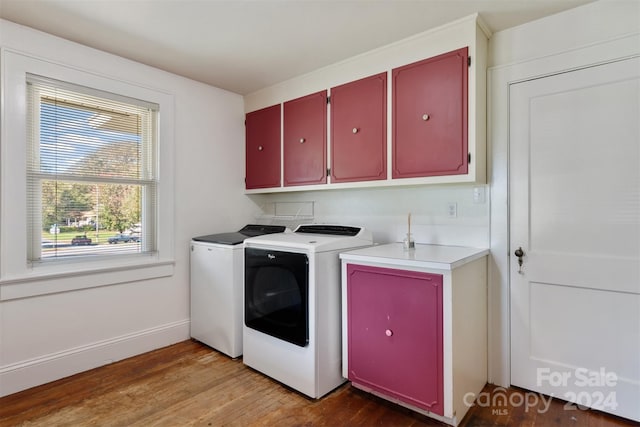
430	117
263	148
359	130
305	140
395	334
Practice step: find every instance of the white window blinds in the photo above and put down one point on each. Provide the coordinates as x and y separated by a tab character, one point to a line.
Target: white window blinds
91	172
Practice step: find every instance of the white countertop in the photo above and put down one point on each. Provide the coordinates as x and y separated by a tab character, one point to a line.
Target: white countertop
436	257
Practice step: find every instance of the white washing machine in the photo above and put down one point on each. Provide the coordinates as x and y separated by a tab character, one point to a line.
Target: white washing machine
217	271
292	305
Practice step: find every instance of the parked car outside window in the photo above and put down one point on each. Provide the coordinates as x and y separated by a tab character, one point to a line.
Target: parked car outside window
124	238
80	240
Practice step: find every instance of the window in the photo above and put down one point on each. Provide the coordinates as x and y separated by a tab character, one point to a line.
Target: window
70	139
92	174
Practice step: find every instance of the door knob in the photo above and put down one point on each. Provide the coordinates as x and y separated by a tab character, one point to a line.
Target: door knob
519	253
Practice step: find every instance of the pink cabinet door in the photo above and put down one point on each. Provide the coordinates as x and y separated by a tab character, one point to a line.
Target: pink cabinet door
395	334
359	130
263	148
305	140
430	117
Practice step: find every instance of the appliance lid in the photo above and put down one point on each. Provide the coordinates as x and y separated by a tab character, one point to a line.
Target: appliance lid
315	238
251	230
237	237
334	230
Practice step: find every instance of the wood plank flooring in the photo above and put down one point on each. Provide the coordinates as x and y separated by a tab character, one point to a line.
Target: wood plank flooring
188	384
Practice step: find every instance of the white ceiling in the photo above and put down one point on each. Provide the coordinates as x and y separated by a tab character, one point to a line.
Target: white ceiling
246	45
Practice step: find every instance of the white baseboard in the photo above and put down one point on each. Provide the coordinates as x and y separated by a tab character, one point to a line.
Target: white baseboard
30	373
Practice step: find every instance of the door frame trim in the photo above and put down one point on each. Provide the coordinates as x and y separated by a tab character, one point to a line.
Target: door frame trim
499	81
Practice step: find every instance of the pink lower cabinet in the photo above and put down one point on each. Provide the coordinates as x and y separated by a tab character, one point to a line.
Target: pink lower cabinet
414	326
395	333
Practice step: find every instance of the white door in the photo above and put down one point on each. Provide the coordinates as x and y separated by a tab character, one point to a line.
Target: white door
574	207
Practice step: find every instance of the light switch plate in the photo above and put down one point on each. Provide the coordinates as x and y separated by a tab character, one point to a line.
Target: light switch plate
452	210
478	195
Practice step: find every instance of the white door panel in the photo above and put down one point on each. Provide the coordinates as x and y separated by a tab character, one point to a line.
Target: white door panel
556	337
574	201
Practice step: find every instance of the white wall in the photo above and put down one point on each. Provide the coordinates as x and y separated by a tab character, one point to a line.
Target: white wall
47	337
565	31
384	212
591	34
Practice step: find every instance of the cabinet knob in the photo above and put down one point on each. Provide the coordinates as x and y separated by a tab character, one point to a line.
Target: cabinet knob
388	332
302	140
355	130
260	148
425	117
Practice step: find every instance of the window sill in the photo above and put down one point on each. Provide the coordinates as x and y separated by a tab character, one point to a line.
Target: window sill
45	282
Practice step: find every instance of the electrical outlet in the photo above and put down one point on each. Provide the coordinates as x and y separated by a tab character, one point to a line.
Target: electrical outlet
452	210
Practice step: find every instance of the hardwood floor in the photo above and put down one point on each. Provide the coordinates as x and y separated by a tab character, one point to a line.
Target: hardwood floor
188	384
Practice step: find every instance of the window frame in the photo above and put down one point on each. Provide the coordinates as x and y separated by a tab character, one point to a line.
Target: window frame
148	181
20	278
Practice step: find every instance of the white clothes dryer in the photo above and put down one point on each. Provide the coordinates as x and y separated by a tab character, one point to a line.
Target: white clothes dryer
292	305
